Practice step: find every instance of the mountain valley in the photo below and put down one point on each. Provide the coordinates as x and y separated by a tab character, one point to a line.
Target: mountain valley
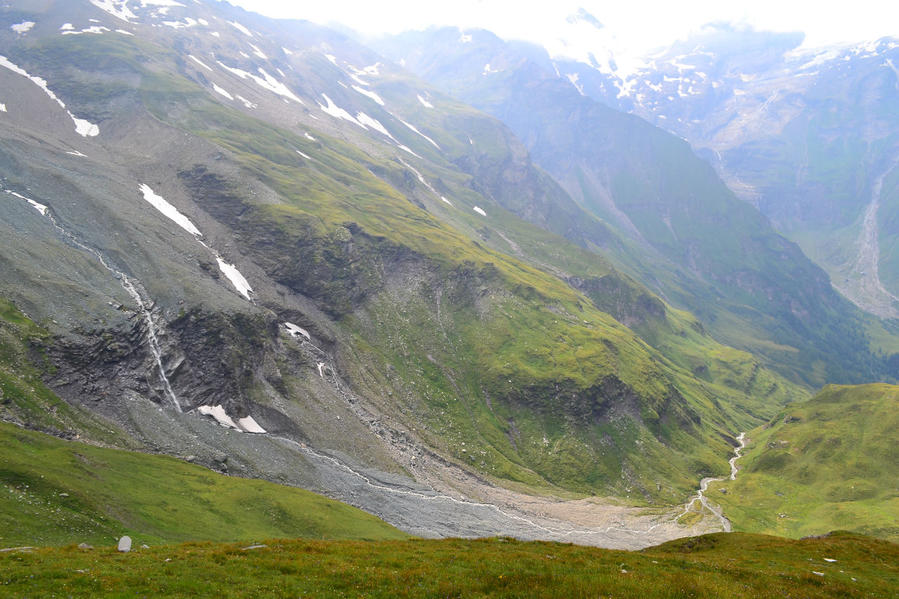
470	302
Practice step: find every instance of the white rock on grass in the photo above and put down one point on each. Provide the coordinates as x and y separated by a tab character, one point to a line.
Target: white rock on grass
125	544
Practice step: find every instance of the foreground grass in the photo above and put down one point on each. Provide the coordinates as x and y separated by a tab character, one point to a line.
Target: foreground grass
55	492
719	565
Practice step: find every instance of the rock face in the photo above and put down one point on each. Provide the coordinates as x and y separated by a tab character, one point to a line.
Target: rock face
124	544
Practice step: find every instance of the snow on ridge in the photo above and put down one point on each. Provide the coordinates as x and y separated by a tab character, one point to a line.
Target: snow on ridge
23	27
82	127
166	3
370	94
169	211
479	210
434	143
295	330
221	91
237	280
424	102
199	62
241	28
117	8
39	207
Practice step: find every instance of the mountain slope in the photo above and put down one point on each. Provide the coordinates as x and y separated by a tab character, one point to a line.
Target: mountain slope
809	136
830	462
690	238
254	259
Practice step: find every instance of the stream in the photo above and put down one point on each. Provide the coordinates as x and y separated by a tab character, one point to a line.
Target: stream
704	486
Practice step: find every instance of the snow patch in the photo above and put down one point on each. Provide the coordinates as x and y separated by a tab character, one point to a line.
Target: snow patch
295	330
199	62
146	3
479	210
222	92
307	136
237	279
304	155
203	22
488	70
286	51
366	121
67	27
246	102
82	127
424	102
434	143
573	77
240	28
95	29
249	425
39	207
337	112
188	22
2	107
258	52
169	211
266	81
370	94
117	8
320	365
218	412
215	34
464	38
77	153
123	32
23	27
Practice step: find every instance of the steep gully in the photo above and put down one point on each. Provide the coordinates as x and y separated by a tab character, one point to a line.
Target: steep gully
144	305
869	289
475	518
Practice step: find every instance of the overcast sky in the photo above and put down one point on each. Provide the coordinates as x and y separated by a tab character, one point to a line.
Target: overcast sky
630	26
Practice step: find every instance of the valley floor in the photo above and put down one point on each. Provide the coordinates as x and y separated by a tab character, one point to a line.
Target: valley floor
717	565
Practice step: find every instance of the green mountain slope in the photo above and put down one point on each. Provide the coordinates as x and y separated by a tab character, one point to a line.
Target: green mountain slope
688	236
528	380
830	462
55	492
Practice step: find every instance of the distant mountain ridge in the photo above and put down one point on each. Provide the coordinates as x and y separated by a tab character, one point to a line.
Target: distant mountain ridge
689	238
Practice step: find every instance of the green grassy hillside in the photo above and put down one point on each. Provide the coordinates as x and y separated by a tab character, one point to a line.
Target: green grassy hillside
714	566
55	492
828	463
529	379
